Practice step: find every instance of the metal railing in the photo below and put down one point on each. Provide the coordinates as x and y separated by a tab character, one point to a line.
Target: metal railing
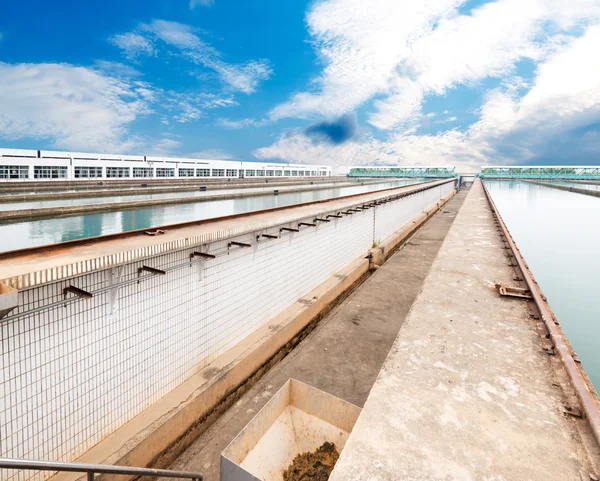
93	469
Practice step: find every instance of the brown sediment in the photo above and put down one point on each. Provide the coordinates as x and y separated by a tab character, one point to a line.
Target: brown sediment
315	466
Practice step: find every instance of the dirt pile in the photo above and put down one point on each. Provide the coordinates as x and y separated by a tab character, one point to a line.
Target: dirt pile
315	466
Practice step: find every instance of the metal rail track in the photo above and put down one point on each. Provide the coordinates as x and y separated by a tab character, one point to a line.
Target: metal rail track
588	402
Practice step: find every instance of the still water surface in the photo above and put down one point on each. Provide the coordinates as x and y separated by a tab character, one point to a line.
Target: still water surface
558	233
21	235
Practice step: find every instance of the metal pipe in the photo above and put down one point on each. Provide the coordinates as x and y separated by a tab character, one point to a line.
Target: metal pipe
91	469
592	411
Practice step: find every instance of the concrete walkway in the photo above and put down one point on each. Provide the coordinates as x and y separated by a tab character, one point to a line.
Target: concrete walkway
466	392
344	354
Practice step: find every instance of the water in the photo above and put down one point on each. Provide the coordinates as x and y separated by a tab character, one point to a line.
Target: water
558	234
21	235
148	196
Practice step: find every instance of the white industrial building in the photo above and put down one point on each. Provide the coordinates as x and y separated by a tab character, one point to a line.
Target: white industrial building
18	164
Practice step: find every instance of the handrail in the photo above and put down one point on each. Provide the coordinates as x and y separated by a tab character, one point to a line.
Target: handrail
92	469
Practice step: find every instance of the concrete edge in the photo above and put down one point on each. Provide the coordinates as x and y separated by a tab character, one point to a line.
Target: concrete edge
158	435
566	188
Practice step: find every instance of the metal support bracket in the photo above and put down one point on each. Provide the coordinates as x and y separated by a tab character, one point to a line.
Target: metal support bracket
151	270
231	244
307	224
85	295
510	291
202	255
318	219
335	216
288	229
267	236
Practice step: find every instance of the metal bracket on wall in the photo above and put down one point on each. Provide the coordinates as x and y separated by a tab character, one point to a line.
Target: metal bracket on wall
204	256
267	236
288	229
307	224
85	295
151	270
318	219
335	216
237	244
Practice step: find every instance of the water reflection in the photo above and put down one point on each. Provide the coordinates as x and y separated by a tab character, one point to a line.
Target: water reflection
50	231
558	233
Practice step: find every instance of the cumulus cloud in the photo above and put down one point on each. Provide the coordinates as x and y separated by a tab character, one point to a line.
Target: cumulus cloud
76	108
398	53
336	131
562	102
145	40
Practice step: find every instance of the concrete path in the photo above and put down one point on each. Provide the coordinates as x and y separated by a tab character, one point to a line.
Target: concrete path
466	392
344	354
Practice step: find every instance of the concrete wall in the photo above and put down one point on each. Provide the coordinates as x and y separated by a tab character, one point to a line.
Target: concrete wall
72	375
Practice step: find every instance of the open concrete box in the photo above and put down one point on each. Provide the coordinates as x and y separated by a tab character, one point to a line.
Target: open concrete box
297	419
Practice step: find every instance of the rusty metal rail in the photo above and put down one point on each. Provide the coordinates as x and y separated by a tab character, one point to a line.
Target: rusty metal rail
589	404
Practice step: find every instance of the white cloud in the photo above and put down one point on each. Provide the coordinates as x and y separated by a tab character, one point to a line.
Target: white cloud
449	148
564	96
400	52
190	106
204	3
132	44
164	146
244	77
77	108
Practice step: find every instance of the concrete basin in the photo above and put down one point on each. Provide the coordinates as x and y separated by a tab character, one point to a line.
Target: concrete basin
299	418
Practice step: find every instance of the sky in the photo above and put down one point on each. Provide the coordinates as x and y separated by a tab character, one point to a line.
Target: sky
338	82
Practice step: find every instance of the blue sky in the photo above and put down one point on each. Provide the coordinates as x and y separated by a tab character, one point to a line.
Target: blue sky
436	82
